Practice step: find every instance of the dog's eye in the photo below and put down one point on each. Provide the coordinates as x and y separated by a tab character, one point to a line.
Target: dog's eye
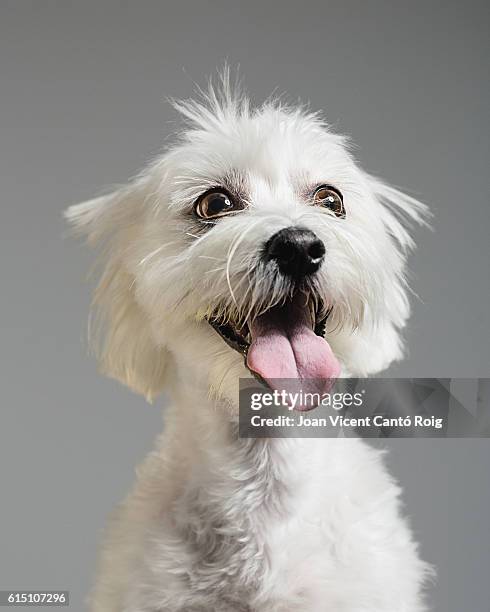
215	203
331	198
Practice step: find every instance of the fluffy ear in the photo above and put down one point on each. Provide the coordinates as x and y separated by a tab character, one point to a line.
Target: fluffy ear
120	335
378	341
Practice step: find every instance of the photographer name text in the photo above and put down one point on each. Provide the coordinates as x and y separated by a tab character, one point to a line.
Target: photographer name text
339	421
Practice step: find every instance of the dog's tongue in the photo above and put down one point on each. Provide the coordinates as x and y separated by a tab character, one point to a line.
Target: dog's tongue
284	346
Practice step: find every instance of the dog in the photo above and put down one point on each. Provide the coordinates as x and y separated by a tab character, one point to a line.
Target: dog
254	244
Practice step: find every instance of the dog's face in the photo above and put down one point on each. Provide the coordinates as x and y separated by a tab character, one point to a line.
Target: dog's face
255	242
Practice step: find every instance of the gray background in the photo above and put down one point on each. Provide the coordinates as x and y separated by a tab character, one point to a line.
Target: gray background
82	107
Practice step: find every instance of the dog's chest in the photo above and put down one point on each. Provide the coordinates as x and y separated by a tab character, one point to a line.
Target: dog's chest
233	532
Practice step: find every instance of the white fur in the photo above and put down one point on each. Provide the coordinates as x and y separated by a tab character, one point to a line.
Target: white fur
216	522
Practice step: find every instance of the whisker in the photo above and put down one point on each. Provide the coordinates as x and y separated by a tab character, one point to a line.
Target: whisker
155	252
221	269
231	253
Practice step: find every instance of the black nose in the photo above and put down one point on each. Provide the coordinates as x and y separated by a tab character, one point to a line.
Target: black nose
297	251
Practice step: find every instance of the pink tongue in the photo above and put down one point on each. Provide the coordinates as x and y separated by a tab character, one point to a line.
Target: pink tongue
285	347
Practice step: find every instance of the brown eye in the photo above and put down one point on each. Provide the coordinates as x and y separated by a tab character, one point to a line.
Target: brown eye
215	203
331	198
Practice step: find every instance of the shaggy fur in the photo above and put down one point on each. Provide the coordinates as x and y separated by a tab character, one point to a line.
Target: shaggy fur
217	523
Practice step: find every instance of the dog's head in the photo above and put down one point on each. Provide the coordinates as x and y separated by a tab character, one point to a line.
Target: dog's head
255	241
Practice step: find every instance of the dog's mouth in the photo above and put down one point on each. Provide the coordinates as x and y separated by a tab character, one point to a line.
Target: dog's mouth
286	343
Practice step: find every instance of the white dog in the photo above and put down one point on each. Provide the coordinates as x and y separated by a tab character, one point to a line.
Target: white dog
255	235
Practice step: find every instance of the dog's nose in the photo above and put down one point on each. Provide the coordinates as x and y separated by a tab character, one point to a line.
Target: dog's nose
297	251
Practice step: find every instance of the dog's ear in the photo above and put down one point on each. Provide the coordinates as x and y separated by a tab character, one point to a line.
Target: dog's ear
378	341
120	330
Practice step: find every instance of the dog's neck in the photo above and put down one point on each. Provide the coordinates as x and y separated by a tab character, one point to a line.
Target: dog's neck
224	469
